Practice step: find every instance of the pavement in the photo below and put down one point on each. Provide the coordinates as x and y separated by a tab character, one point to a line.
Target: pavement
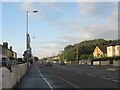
32	79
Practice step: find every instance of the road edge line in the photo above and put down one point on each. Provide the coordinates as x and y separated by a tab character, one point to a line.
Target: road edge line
44	77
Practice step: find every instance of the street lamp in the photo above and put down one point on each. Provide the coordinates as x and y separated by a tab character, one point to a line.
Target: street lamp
27	12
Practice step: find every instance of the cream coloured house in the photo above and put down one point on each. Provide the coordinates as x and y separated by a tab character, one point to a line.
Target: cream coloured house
100	51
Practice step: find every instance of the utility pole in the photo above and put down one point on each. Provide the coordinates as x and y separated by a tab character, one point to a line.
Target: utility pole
77	53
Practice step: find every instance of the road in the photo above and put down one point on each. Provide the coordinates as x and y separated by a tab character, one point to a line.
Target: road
75	77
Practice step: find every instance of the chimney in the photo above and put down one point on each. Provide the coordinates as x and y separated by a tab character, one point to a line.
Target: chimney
5	44
11	48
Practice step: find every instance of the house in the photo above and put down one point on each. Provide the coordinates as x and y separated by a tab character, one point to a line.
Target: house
5	52
113	50
107	51
100	51
54	59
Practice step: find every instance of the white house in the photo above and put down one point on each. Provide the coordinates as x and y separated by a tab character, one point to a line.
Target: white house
110	51
113	50
117	50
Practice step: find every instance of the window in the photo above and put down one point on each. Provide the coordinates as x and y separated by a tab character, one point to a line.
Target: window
117	48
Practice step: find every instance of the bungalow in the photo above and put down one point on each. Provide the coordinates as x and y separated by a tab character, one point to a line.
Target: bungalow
100	51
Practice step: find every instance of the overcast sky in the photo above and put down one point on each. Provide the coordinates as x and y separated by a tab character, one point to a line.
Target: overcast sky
57	24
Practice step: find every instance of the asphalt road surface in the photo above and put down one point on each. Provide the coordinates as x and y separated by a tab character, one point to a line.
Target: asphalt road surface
72	77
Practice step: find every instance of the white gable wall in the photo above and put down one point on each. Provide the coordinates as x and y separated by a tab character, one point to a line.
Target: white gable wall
111	51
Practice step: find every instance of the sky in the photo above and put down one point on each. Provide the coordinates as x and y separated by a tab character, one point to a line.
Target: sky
57	23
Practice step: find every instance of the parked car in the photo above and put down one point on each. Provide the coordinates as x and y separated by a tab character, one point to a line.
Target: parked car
48	64
62	63
6	63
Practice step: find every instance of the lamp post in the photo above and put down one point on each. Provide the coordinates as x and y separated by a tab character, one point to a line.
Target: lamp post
27	12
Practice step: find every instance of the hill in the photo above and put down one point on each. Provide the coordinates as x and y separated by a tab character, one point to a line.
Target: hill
84	49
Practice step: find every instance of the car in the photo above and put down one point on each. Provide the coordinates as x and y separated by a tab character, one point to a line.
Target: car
62	63
48	64
5	62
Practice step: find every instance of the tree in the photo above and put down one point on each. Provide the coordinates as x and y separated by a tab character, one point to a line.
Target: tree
36	58
85	49
84	56
90	56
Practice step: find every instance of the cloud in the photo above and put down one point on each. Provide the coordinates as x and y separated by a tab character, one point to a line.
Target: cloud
60	0
48	11
96	9
97	0
99	21
48	49
30	0
27	6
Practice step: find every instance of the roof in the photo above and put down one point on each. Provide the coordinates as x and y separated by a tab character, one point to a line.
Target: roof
116	42
103	48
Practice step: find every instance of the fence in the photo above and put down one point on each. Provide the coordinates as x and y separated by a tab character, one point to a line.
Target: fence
116	62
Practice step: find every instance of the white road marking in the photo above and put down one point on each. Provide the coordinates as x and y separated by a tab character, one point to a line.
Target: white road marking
65	80
90	75
113	77
111	69
115	80
110	75
109	79
68	82
44	78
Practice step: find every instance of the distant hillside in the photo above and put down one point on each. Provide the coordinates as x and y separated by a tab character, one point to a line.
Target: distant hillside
85	48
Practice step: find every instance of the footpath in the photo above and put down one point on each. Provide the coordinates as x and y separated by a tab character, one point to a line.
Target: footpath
32	79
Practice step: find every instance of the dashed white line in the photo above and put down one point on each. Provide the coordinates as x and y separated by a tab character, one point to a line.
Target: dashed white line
44	78
109	79
115	80
90	75
104	77
111	69
110	75
65	80
68	82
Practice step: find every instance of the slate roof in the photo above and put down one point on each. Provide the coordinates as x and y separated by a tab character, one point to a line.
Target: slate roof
103	48
116	42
